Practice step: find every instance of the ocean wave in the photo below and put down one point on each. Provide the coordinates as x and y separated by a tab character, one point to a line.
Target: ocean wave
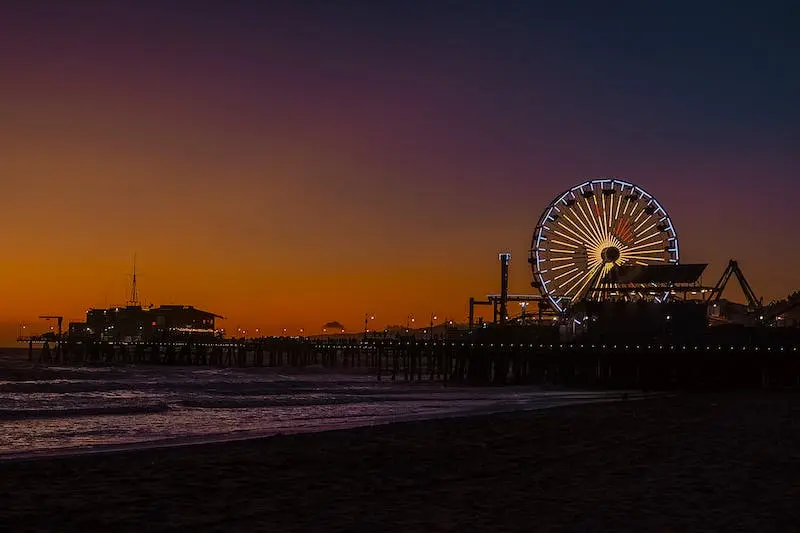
249	403
27	414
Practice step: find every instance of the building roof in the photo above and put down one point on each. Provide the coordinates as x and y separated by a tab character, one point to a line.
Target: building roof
162	308
666	274
186	308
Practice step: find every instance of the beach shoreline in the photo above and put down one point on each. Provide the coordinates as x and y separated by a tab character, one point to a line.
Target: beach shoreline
246	435
70	411
688	462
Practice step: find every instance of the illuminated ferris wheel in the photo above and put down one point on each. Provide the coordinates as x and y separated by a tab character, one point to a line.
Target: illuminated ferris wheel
590	229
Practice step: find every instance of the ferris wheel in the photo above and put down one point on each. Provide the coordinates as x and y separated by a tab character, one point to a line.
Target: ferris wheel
590	229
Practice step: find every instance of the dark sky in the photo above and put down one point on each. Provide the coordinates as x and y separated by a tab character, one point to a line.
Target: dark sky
376	155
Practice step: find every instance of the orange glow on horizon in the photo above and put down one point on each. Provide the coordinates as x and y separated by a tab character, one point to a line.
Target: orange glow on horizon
287	179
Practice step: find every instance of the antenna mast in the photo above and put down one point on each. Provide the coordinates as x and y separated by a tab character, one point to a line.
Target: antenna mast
134	293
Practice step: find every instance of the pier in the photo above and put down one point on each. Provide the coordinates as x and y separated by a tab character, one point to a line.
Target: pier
715	365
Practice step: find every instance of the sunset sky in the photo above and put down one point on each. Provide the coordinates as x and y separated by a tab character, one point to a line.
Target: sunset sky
285	164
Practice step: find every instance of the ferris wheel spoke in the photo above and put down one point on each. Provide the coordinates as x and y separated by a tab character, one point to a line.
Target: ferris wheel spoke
619	204
579	276
627	205
648	228
574	218
596	239
581	216
568	245
651	246
578	232
562	267
637	207
568	237
643	251
585	231
599	219
582	238
646	236
585	280
641	212
642	246
590	221
654	252
602	218
652	249
624	229
645	257
653	238
610	219
565	274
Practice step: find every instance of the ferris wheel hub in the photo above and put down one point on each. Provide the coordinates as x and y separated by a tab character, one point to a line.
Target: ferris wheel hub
610	254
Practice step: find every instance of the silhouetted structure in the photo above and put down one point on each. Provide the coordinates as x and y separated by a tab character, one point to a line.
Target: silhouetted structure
759	358
505	258
733	270
135	323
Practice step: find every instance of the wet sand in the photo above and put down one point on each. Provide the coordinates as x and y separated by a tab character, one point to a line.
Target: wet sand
688	463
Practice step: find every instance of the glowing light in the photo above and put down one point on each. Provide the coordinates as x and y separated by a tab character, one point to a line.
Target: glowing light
192	330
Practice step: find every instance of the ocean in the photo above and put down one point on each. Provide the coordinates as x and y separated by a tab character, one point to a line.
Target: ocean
68	410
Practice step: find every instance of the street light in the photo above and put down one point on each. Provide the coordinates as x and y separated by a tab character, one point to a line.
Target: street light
409	321
367	318
430	329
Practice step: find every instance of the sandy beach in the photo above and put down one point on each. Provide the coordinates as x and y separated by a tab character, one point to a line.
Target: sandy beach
687	463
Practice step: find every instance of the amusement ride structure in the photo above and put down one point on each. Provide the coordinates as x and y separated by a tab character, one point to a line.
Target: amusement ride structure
592	228
606	252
